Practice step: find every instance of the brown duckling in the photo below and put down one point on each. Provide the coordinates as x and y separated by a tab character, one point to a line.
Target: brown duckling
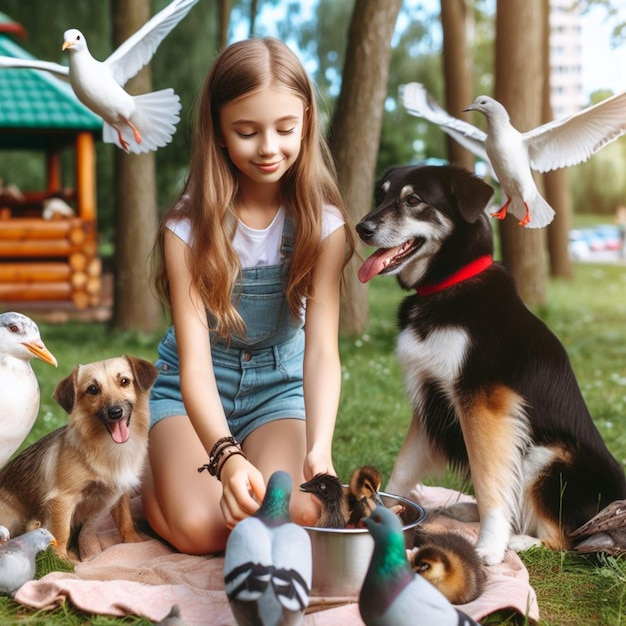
449	561
605	532
330	493
363	495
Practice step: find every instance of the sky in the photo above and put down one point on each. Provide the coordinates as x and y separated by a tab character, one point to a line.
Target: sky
603	67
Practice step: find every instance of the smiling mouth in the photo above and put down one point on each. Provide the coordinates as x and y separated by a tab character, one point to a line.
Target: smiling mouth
268	167
386	260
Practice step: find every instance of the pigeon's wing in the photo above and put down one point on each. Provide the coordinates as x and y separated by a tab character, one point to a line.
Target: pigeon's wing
574	139
291	554
611	517
247	560
16	567
428	605
35	64
417	101
138	49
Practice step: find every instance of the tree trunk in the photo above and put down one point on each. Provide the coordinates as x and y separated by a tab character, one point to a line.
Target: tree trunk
556	183
457	21
223	18
355	132
519	87
135	305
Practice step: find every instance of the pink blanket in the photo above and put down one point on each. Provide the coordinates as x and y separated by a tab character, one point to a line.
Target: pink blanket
147	578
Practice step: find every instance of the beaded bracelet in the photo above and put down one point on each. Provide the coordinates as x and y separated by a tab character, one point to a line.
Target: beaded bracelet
232	452
217	452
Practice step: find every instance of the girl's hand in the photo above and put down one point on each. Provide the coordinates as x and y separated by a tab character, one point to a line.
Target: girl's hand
317	463
243	490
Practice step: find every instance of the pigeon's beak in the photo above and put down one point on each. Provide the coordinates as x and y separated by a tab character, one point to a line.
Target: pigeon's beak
41	352
471	107
66	45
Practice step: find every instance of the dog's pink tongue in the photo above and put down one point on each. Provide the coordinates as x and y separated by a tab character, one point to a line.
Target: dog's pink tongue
119	431
376	263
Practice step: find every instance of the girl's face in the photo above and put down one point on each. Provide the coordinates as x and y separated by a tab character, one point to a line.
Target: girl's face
262	133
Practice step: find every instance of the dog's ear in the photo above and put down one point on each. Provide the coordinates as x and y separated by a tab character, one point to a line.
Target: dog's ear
472	193
145	373
65	391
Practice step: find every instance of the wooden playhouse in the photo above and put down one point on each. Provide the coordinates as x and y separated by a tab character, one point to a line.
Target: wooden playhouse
48	237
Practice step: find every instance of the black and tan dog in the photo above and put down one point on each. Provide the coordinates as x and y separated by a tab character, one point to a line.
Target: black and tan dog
92	463
491	387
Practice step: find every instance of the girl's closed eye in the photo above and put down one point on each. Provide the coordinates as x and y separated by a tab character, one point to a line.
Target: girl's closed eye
287	131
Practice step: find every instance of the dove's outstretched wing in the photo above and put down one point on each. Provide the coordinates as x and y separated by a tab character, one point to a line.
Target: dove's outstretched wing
139	48
575	138
417	101
34	64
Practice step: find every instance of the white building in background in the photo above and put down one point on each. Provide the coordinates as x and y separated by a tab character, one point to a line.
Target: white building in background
566	58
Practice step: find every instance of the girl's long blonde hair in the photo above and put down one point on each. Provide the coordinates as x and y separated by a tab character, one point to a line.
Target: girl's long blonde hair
211	186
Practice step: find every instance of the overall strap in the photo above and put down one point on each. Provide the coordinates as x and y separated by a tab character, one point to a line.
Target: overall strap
286	247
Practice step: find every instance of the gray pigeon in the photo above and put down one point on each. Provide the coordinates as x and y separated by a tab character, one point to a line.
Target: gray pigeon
268	562
17	558
134	123
512	155
392	594
20	341
605	532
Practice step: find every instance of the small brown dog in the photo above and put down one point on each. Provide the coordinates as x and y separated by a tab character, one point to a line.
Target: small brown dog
92	463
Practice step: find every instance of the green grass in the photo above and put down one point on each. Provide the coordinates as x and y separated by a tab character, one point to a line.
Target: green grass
587	314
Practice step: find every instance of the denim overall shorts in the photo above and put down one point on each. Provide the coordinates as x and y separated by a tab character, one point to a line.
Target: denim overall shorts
259	376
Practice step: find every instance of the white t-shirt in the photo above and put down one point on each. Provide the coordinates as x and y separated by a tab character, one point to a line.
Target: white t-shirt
261	247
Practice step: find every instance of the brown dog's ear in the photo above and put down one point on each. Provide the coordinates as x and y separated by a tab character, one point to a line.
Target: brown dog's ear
145	372
472	194
65	391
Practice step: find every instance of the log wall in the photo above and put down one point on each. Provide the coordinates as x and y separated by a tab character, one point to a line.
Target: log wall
52	260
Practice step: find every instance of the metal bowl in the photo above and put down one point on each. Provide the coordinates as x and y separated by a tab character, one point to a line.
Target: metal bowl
341	556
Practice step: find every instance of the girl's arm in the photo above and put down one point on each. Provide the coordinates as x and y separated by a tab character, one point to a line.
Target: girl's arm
240	479
322	367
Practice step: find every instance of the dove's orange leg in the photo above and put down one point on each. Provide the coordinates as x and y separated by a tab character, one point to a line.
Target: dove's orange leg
135	131
526	217
123	143
501	214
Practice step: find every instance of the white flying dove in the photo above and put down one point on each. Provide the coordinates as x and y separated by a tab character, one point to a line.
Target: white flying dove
17	558
511	154
134	123
268	562
392	594
20	341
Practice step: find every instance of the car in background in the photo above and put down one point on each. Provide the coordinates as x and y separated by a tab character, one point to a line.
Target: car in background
584	243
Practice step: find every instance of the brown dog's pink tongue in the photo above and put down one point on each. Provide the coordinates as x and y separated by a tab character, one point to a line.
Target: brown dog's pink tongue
376	263
119	431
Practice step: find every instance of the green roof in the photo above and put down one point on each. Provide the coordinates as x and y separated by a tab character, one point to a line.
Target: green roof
36	108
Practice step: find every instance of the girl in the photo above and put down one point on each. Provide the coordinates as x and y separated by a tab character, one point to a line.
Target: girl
255	246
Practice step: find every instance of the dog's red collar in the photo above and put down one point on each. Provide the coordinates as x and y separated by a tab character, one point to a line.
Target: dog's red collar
471	269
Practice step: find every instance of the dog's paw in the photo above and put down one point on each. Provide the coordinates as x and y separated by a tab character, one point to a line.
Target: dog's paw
493	536
521	543
490	556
